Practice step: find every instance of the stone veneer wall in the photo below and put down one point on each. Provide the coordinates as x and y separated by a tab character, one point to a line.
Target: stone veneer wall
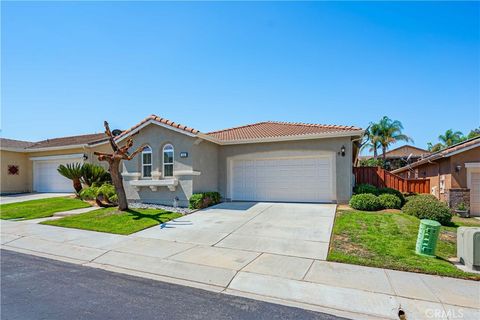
456	196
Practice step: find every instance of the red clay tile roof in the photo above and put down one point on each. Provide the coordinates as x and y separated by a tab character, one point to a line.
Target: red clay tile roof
14	144
273	129
67	141
161	120
269	129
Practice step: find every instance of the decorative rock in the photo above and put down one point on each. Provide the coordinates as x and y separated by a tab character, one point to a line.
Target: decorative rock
139	205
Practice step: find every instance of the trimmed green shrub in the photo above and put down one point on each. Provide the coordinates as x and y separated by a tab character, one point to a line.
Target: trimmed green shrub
390	201
113	198
365	188
195	201
203	200
365	201
89	193
394	192
214	196
426	206
106	192
424	195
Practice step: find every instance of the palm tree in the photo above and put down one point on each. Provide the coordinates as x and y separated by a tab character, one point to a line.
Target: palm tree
451	137
473	133
435	147
390	132
72	171
372	139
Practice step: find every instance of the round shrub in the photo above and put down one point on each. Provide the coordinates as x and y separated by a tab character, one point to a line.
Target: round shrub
394	192
89	193
365	201
365	188
390	201
416	196
428	207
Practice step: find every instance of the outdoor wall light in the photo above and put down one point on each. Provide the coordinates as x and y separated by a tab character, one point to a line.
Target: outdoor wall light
85	157
342	151
458	168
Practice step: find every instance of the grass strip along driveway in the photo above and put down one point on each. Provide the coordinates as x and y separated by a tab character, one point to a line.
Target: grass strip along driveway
40	208
113	221
387	240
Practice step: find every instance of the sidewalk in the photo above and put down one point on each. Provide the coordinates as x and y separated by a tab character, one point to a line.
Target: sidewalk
345	290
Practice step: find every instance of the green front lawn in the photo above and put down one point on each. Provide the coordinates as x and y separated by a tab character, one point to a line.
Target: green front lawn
387	240
113	221
39	208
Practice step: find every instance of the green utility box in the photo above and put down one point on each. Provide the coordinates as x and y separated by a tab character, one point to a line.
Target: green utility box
427	237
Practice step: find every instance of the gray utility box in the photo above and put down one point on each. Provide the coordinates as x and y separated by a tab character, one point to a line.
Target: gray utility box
468	247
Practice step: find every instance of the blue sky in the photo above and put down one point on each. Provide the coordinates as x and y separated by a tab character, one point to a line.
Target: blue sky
66	67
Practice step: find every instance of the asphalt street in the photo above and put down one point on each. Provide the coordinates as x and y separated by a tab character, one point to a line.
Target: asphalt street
38	288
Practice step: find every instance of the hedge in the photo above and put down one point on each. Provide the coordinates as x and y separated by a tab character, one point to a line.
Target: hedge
365	188
203	200
366	202
390	201
394	192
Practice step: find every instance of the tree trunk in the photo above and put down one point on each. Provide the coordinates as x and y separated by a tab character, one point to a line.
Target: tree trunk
114	159
384	153
77	185
118	183
375	153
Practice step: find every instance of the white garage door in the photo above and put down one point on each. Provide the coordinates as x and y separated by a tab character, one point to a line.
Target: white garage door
47	178
308	179
475	194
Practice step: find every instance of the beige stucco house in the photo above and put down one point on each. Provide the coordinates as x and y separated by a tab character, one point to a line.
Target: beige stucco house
266	161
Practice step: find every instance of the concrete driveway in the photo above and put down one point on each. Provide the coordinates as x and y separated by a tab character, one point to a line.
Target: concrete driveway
290	229
20	197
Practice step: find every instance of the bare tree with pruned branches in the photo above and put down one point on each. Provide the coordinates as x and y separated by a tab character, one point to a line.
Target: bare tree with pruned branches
114	160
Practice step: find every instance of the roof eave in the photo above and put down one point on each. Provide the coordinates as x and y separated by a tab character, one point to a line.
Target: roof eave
72	146
435	157
153	121
12	149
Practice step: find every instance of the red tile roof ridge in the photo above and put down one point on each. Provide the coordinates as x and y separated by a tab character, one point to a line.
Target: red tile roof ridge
315	125
289	123
161	120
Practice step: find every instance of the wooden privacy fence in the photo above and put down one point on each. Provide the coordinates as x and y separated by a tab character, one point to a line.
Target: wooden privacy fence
381	178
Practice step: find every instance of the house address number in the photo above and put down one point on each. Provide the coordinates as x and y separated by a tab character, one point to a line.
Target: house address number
183	154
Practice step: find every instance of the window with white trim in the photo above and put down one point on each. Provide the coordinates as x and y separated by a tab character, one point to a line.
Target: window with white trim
168	160
147	162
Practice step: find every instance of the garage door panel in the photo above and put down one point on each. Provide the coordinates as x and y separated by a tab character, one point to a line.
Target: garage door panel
47	178
475	194
283	179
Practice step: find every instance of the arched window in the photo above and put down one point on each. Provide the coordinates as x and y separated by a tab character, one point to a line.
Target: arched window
147	162
168	160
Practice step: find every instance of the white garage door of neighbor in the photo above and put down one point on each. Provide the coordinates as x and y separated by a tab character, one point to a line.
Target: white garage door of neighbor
47	178
308	179
475	194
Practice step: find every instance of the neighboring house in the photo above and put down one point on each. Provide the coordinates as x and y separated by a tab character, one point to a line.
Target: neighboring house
404	155
454	174
266	161
32	166
401	156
